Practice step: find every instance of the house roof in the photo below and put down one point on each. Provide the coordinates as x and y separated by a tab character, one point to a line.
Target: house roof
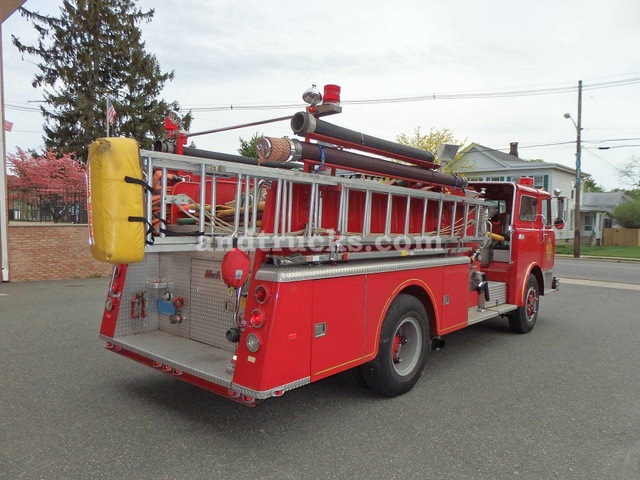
511	162
606	200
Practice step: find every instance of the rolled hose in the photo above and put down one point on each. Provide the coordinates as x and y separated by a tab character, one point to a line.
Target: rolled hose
283	150
303	123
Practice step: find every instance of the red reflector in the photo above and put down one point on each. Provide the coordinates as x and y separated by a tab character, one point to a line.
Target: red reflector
247	399
177	371
117	348
261	294
109	345
166	368
278	393
157	364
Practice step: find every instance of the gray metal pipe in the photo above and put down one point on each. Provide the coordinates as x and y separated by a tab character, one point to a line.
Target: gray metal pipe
160	146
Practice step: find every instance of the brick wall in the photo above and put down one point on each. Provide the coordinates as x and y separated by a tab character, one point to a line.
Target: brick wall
51	251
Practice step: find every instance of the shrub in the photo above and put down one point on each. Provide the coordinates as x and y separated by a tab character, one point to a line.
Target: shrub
628	214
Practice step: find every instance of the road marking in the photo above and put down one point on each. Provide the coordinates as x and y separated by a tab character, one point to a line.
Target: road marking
594	283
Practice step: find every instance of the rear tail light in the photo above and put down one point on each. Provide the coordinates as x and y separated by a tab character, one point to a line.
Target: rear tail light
256	318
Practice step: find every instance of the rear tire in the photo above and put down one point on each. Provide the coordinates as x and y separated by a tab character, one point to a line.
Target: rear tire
402	349
524	318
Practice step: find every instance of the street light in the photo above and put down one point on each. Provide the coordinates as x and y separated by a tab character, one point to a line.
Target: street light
576	219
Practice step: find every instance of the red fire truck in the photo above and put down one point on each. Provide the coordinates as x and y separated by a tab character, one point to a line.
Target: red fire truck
340	251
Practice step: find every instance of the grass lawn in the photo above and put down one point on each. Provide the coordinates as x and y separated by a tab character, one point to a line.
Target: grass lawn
626	252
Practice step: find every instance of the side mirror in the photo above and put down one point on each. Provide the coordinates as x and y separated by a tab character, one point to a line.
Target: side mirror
558	223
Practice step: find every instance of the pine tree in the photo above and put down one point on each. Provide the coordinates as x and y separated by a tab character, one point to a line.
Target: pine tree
248	147
94	50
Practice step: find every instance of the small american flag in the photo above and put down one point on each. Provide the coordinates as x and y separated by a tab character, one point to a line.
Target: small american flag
8	126
111	112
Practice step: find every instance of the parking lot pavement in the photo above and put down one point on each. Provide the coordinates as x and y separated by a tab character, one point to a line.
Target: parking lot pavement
560	402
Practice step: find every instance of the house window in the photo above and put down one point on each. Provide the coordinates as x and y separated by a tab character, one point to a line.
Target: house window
495	179
541	181
606	223
588	222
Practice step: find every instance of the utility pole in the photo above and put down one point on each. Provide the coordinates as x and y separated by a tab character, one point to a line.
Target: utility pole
576	229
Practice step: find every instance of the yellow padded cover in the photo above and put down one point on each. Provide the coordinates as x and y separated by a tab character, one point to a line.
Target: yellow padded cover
113	238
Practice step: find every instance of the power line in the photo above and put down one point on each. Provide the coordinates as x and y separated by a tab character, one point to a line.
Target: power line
506	93
21	108
618	146
617	169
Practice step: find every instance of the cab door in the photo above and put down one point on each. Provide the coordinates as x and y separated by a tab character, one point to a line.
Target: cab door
528	229
548	236
535	237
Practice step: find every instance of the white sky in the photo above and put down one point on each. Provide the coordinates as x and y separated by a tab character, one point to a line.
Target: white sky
257	52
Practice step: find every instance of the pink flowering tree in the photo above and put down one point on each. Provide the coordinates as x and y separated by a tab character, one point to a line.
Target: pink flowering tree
47	186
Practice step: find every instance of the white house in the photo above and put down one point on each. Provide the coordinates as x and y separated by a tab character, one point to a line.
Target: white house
597	211
493	165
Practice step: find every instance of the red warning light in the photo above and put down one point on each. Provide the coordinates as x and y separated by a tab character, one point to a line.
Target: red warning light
526	181
331	94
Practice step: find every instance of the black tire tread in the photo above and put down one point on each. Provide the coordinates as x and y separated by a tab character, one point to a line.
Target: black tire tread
375	373
518	319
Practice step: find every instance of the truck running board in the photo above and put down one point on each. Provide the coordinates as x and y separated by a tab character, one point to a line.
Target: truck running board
480	314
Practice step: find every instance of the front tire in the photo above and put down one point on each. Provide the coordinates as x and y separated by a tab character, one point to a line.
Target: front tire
402	349
524	318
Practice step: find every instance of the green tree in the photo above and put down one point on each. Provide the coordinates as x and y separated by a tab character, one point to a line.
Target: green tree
93	50
248	147
431	141
628	214
590	185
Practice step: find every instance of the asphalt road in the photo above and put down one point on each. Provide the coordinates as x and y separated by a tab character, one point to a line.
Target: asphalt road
598	270
560	402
